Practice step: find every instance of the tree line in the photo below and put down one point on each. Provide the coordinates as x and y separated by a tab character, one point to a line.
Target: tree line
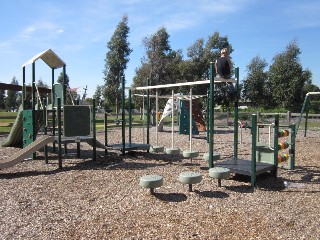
283	85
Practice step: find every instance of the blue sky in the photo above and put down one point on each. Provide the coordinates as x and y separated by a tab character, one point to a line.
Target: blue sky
78	31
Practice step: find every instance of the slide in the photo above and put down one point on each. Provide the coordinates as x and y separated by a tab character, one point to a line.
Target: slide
24	153
14	139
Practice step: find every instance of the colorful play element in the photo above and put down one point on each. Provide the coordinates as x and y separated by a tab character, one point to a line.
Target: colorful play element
174	103
198	122
190	178
219	173
268	152
283	145
283	157
151	182
283	133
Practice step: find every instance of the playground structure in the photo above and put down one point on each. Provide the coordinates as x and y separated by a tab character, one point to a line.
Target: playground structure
70	123
181	106
211	81
68	129
264	158
305	108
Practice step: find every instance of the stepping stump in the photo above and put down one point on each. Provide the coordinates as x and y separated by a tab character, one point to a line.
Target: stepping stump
156	149
219	173
215	156
173	152
151	182
190	178
190	154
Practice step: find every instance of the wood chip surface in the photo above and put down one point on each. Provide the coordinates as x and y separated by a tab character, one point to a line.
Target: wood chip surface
102	199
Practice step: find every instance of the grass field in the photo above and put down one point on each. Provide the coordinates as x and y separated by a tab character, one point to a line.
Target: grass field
7	119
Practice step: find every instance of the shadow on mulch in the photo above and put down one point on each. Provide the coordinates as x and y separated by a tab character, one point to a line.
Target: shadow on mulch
264	182
171	197
212	194
112	161
310	174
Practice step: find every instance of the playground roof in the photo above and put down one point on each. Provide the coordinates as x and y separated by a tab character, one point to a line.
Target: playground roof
49	57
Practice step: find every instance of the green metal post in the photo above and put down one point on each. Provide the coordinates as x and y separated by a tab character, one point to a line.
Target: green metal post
53	111
54	122
45	130
275	144
52	88
64	84
123	118
236	116
306	122
130	116
211	121
253	151
33	86
23	87
105	130
59	132
207	115
305	103
292	149
33	105
148	113
94	133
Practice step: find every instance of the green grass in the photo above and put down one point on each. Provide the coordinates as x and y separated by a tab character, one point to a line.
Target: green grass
7	119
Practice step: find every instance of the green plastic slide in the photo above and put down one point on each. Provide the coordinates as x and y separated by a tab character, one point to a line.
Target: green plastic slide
14	139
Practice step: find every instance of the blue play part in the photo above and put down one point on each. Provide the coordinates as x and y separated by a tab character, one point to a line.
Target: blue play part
184	120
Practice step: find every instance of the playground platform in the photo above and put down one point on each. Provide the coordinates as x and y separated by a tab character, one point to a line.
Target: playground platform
129	146
243	167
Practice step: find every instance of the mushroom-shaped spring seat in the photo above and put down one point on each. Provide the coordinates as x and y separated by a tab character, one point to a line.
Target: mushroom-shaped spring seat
151	182
219	173
190	178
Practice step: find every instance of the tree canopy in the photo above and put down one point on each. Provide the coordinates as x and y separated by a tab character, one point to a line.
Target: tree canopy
116	61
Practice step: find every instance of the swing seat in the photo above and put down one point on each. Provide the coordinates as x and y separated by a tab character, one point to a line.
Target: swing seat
173	151
190	154
156	149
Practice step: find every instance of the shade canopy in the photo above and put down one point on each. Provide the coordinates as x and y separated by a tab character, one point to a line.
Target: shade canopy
49	57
